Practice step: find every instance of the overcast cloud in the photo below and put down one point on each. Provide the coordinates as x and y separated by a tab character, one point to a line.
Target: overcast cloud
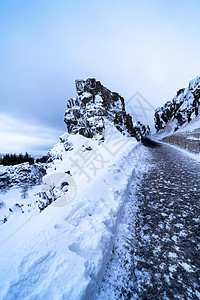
19	136
147	46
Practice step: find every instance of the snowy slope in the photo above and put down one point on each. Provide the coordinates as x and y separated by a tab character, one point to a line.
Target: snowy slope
183	108
186	129
59	253
191	127
18	186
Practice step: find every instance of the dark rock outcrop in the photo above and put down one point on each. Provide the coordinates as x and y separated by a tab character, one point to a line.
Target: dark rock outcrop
21	174
86	114
183	108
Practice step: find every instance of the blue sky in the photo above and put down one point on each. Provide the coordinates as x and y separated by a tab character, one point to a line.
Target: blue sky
147	46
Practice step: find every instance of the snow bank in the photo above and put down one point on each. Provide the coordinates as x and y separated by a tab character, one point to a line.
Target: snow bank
60	252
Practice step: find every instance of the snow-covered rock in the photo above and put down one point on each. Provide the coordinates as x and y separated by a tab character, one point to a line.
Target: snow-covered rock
86	113
21	174
96	116
84	159
60	253
15	184
183	108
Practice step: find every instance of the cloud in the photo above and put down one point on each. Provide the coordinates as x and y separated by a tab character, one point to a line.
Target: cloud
22	135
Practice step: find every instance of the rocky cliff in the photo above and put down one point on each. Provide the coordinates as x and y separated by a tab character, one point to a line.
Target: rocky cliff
93	104
183	108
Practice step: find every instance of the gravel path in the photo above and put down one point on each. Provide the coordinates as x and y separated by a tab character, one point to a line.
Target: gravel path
156	253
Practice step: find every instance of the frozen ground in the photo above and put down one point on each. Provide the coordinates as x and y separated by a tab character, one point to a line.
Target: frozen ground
156	248
17	206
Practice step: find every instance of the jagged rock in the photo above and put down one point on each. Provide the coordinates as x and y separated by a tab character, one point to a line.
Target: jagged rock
94	108
183	108
141	130
86	113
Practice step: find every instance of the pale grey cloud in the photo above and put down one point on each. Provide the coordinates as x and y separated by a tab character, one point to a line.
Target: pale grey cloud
20	136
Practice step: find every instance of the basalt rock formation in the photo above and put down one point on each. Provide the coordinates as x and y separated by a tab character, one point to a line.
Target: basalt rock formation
94	104
183	108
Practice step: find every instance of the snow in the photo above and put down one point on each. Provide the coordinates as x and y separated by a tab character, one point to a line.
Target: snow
184	107
189	131
168	130
186	267
191	127
99	100
21	174
23	206
190	154
60	253
86	95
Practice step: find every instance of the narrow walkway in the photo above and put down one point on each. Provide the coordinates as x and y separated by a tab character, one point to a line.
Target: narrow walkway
156	253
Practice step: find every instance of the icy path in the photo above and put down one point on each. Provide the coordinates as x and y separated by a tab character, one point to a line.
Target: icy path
156	251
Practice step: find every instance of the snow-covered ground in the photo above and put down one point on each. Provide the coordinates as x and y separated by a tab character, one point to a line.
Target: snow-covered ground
191	127
168	130
186	137
187	129
18	186
17	206
195	156
120	265
61	252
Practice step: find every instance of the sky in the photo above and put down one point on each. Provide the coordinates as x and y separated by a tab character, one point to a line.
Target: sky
144	50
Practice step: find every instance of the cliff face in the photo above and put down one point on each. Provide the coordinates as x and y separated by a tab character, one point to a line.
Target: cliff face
94	103
183	108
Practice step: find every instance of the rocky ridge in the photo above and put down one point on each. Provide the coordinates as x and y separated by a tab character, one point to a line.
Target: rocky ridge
183	108
86	113
89	117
